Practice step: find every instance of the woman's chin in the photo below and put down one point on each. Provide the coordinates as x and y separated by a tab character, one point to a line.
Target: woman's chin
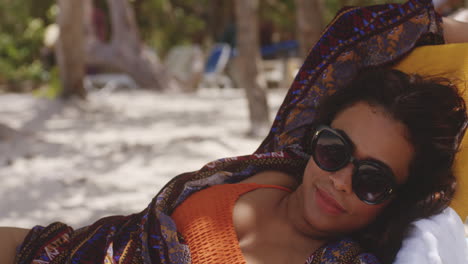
316	218
325	218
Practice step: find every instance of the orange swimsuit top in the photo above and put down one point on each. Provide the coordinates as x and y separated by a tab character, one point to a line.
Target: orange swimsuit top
205	221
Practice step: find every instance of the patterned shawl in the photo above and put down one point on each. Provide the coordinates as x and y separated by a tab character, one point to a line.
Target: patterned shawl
357	38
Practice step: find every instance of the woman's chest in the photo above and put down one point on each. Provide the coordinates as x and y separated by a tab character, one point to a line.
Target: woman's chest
225	226
253	214
206	222
263	237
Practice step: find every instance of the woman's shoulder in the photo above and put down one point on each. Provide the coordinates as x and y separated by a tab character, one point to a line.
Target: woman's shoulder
273	178
10	239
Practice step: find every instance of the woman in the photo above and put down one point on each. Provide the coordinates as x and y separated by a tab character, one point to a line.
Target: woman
370	174
378	157
326	197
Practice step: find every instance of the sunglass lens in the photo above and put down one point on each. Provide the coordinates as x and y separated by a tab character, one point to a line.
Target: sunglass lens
330	151
371	185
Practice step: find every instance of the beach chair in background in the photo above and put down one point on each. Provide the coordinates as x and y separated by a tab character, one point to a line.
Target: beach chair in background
108	82
215	67
279	64
186	64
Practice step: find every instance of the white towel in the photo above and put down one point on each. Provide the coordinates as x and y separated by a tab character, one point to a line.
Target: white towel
439	239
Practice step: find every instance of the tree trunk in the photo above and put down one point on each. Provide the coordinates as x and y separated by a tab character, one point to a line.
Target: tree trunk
248	61
309	23
127	53
70	48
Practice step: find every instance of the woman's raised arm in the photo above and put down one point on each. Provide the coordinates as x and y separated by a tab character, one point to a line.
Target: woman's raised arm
455	31
10	239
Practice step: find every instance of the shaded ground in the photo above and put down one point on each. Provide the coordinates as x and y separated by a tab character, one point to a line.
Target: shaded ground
85	160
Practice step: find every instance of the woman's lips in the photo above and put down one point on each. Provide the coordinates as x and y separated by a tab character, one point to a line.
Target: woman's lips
327	203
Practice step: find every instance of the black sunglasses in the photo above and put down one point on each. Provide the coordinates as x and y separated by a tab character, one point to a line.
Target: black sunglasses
372	181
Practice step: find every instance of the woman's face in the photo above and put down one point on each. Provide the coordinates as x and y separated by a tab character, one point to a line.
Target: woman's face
329	204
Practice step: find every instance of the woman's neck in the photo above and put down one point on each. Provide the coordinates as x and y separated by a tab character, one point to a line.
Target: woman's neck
278	215
288	224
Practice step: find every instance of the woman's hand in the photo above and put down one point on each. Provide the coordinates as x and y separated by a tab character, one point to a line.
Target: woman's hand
454	31
10	239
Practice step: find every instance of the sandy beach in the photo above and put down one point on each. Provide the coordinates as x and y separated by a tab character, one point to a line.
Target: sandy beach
79	161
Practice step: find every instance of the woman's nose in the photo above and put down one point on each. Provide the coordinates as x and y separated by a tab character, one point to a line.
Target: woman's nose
342	179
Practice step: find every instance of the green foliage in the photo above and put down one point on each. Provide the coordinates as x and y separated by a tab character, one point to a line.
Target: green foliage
280	14
164	23
54	87
333	6
22	24
19	53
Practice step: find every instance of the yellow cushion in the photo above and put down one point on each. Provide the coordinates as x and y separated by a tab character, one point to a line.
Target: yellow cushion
450	61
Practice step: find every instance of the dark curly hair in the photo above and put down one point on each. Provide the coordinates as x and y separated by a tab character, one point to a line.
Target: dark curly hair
434	115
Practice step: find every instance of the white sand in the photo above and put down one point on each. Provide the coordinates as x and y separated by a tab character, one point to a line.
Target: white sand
80	161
